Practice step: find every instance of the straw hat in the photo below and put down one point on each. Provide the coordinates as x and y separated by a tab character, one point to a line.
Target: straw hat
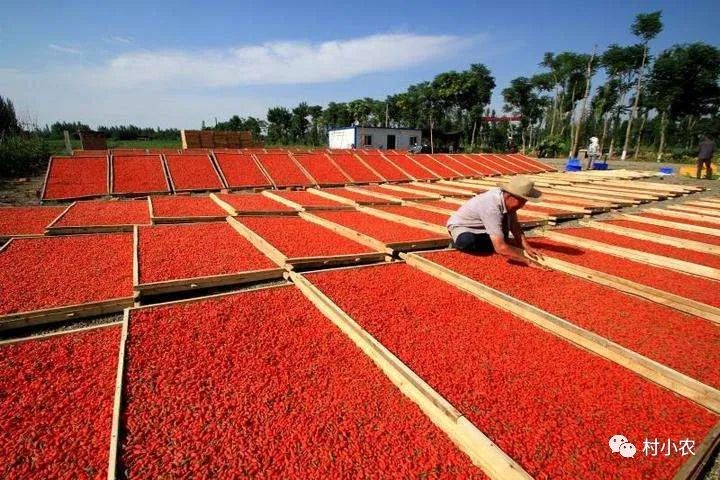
522	187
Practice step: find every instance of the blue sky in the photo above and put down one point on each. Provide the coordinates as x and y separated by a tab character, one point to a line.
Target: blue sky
175	64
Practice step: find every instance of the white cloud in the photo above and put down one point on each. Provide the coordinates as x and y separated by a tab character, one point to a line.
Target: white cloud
60	48
181	87
119	39
275	62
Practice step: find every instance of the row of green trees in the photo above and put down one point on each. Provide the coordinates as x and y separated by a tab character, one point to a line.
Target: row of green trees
452	101
117	132
644	101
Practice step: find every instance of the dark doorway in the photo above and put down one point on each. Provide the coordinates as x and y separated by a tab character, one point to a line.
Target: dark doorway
391	142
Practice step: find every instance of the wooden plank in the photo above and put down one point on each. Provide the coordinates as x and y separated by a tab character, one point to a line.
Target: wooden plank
423	194
604	185
348	232
258	242
359	159
445	189
693	468
117	401
168	177
384	196
233	212
610	193
61	314
675	190
655	237
615	201
429	208
305	263
670	224
411	222
667	299
686	216
481	450
704	204
694	209
263	170
654	185
136	260
649	369
289	203
56	333
212	281
349	201
636	255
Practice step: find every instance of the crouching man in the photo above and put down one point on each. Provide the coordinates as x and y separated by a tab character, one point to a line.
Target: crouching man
483	223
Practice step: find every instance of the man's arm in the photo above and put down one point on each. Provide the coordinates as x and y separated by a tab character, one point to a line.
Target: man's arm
519	236
506	250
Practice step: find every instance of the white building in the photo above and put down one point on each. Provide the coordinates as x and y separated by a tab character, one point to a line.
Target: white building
374	137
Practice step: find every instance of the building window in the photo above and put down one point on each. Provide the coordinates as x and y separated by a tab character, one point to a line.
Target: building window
413	141
367	140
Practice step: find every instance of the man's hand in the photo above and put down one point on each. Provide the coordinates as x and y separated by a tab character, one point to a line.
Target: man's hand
533	253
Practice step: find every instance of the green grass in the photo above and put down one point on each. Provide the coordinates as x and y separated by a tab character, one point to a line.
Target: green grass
58	145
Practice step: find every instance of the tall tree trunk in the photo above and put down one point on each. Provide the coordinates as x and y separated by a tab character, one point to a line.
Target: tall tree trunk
522	135
588	75
604	133
432	144
554	109
663	127
690	126
633	113
613	125
472	139
639	136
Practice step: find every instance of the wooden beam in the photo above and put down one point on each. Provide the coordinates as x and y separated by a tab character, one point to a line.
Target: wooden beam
258	242
481	450
636	255
407	189
694	209
649	369
348	233
384	196
349	201
56	333
411	222
609	193
136	260
117	401
616	201
693	468
670	224
212	281
61	314
655	237
702	203
686	216
677	302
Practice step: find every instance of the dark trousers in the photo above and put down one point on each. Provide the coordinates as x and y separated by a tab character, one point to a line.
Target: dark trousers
474	242
708	167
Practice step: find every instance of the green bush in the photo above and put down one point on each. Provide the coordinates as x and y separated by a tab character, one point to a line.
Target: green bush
551	147
23	156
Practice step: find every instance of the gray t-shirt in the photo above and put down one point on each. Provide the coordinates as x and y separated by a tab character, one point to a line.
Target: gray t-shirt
707	150
484	213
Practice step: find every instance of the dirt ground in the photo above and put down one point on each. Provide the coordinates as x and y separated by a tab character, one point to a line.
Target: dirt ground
21	191
26	191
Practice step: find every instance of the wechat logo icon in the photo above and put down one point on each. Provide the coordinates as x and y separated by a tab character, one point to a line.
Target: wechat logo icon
620	444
